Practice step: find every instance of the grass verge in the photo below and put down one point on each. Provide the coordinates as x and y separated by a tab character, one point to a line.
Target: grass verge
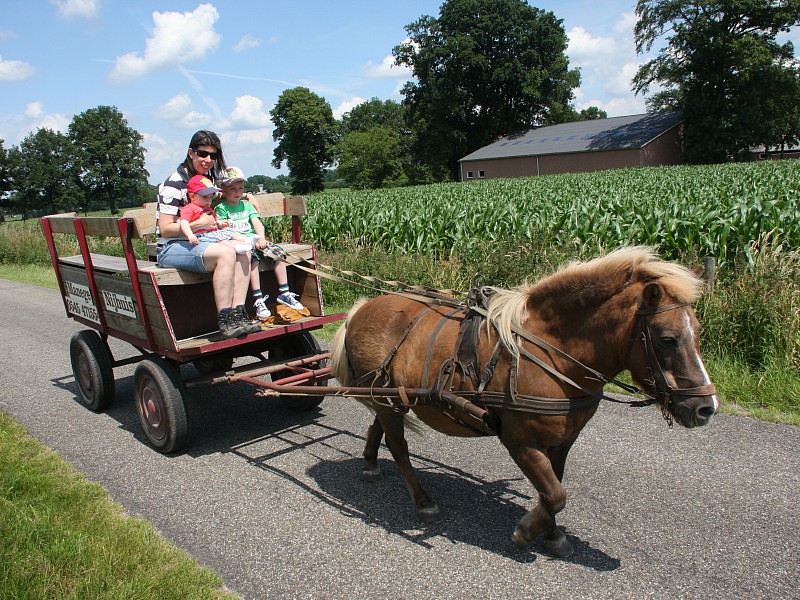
62	537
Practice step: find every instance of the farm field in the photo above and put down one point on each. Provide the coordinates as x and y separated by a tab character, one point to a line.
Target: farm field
684	212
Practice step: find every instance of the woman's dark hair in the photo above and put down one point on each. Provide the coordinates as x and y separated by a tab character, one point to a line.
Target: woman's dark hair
206	138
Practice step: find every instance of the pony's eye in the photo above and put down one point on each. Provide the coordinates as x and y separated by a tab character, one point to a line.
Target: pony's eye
668	341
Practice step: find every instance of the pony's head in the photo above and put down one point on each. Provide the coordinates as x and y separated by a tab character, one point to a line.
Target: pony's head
647	302
664	349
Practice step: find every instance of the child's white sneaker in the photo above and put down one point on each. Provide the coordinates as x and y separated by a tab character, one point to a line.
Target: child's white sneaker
254	240
243	248
262	312
290	299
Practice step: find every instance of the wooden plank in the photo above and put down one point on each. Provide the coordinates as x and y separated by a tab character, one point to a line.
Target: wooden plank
101	226
144	218
102	262
62	223
269	207
296	206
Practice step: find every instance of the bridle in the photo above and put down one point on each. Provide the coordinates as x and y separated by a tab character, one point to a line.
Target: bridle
656	379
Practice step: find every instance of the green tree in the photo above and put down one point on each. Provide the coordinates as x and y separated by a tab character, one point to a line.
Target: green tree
306	133
483	68
111	156
44	174
722	66
375	146
371	159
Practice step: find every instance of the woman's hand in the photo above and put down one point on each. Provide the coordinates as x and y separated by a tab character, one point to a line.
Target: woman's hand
206	221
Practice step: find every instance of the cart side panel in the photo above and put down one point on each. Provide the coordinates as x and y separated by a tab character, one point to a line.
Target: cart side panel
77	295
162	335
118	304
190	308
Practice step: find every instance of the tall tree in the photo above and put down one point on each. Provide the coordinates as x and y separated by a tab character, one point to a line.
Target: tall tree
306	133
44	174
111	156
722	66
374	150
483	68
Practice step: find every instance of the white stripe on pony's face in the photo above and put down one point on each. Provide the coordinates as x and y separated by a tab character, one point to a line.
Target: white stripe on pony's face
697	360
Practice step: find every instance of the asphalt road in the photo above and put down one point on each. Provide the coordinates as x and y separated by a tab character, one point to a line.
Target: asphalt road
272	499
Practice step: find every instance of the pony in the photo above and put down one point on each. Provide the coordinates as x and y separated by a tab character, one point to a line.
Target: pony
527	365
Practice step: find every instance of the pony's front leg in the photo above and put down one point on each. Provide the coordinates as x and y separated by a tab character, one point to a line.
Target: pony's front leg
393	427
536	466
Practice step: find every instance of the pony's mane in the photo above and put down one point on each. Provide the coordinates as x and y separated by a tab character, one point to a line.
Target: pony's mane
508	308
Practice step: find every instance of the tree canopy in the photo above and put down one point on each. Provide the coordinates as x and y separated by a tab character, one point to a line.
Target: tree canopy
109	153
306	133
737	86
483	68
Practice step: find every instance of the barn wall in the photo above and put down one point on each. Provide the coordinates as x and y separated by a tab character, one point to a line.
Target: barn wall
667	149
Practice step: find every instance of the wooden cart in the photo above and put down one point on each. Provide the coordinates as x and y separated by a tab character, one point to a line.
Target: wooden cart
146	305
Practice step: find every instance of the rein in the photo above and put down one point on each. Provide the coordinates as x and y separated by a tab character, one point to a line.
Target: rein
536	404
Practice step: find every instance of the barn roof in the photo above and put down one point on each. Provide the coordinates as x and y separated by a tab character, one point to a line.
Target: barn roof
615	133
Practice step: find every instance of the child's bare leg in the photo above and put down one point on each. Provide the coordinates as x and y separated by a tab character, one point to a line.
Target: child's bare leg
280	273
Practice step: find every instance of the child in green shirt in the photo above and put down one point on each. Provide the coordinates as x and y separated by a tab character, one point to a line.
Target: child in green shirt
243	217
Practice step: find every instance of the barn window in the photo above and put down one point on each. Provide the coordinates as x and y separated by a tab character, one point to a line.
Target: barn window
469	174
481	174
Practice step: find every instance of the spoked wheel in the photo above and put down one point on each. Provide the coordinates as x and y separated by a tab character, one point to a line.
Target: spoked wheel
160	404
295	346
92	366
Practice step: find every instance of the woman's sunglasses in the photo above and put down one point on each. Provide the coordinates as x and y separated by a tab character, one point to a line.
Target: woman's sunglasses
205	153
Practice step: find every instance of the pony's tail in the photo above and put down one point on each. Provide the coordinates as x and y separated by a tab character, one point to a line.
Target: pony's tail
340	364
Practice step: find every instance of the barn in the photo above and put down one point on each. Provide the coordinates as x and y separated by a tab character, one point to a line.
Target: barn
632	141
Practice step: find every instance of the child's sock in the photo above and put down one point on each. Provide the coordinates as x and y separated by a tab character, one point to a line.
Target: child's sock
257	294
283	288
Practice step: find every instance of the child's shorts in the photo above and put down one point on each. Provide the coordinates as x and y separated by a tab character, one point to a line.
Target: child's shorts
220	235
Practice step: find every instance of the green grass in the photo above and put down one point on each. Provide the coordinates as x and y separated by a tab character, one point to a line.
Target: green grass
51	548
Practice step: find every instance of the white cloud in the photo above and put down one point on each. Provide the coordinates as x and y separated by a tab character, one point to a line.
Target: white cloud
177	38
78	9
347	106
387	70
7	34
246	43
249	113
15	70
179	109
37	118
587	51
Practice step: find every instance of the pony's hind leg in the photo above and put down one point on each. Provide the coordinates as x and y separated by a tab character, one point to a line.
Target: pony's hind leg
392	424
372	471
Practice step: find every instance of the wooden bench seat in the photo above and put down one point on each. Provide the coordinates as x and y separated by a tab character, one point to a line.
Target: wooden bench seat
172	276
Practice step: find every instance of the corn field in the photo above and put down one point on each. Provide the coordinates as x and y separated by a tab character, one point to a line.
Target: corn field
682	211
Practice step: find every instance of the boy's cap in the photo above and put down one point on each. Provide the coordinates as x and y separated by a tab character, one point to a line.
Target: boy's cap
234	174
200	184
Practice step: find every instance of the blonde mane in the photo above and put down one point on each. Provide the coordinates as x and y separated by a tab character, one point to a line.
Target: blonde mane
508	308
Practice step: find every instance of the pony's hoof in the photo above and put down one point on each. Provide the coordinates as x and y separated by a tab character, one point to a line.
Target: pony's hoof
371	475
520	540
560	547
429	514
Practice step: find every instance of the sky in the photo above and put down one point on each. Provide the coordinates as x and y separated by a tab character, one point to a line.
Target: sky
174	67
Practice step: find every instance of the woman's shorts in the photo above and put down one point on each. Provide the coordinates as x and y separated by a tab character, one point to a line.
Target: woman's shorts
182	254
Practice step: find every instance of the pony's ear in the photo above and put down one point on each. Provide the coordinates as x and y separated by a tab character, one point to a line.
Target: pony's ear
651	294
699	271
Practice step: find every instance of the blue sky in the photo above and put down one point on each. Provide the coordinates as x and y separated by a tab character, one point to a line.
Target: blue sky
175	67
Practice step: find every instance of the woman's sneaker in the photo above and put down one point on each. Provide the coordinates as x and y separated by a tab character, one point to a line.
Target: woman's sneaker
262	312
290	299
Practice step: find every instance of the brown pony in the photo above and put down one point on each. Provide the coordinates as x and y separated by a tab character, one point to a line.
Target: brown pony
542	358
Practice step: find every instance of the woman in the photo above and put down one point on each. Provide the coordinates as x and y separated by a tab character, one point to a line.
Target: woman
231	271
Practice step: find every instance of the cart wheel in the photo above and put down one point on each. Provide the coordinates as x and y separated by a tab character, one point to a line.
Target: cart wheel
92	366
294	346
160	404
206	366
